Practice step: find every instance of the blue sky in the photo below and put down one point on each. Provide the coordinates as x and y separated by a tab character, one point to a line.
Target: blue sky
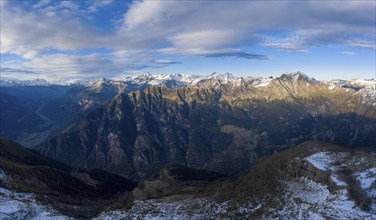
63	40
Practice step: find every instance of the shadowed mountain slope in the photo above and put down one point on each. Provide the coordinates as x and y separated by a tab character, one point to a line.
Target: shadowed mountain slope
28	171
222	128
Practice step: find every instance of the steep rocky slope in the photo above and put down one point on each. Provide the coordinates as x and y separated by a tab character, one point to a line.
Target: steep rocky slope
222	127
27	177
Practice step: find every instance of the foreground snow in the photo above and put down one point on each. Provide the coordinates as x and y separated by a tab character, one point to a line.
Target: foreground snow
306	199
24	206
333	162
367	181
193	208
15	205
321	160
303	198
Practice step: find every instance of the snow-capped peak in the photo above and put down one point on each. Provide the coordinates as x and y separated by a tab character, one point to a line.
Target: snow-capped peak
33	82
297	76
362	82
259	81
169	80
102	81
78	82
223	78
99	84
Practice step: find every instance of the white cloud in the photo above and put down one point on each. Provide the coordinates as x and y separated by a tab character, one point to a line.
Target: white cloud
166	62
348	53
96	5
206	39
187	26
362	43
150	30
16	74
41	3
55	67
294	42
228	52
144	13
68	5
43	29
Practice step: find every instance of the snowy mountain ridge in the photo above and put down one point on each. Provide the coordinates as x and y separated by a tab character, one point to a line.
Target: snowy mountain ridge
15	82
178	80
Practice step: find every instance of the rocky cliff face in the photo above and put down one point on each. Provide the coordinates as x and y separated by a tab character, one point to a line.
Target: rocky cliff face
221	128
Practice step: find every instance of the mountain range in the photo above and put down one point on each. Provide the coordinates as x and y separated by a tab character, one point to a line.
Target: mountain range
52	107
220	124
184	138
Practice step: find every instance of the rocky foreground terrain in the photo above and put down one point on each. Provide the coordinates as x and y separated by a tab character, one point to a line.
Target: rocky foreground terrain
313	180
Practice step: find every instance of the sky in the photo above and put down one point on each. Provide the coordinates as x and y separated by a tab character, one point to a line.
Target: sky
68	40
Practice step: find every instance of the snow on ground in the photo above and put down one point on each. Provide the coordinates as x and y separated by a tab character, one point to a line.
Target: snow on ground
337	181
15	205
24	206
367	178
325	161
193	208
362	82
334	83
369	94
321	160
306	199
332	162
3	176
262	82
367	181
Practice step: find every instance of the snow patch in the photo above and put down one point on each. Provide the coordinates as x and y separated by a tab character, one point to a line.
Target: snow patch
182	209
3	176
367	181
260	81
24	206
368	94
320	160
362	82
367	178
306	199
16	82
337	181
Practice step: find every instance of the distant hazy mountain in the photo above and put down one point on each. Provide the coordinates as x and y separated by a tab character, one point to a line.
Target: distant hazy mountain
15	82
220	123
31	113
80	99
20	112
